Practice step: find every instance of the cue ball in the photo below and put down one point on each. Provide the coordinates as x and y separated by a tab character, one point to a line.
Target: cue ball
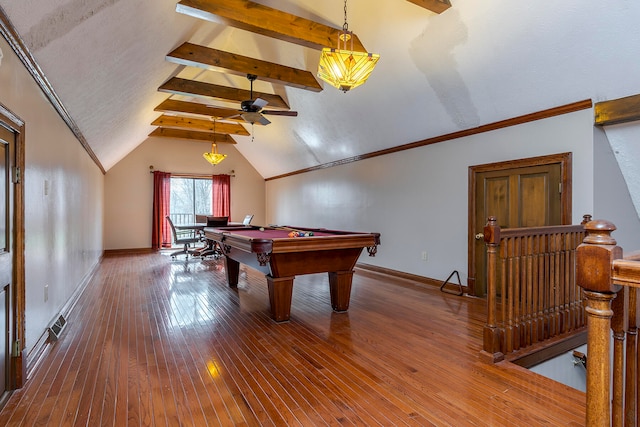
261	228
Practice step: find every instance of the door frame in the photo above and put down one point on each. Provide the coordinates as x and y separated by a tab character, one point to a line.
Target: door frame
564	159
17	366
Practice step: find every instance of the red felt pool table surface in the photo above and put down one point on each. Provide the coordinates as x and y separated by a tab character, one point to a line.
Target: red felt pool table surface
271	233
280	257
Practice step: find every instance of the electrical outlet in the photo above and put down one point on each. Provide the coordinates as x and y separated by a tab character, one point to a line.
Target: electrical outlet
424	256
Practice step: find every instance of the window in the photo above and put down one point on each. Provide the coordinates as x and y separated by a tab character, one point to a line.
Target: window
190	197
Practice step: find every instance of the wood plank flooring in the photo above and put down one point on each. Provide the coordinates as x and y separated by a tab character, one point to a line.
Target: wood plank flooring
156	342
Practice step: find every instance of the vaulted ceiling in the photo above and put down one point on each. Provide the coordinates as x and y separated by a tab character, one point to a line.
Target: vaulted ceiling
127	69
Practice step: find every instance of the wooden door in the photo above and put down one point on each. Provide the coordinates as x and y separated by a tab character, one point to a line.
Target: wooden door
7	257
526	193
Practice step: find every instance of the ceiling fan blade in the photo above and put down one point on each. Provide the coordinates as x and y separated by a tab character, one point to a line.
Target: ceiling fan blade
280	113
255	117
260	103
263	120
231	117
223	113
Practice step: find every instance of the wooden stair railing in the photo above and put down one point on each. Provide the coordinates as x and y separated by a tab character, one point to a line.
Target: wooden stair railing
610	285
532	295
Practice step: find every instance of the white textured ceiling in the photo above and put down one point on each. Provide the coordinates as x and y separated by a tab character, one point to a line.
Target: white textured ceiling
476	63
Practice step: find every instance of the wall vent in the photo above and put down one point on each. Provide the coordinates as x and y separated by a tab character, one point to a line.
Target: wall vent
56	329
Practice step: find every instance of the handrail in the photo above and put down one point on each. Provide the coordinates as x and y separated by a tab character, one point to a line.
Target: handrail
626	273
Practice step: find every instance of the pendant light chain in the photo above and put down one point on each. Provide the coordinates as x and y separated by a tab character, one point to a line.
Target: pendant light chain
345	27
214	132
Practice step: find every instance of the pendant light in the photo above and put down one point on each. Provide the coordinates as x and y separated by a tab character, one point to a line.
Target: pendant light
342	67
214	157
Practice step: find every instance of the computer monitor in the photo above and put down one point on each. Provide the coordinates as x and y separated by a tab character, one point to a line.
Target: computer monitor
247	220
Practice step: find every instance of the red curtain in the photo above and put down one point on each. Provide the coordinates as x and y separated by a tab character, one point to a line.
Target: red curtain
161	233
221	197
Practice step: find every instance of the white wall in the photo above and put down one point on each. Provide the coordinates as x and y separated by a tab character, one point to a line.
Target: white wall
129	187
613	201
417	199
63	229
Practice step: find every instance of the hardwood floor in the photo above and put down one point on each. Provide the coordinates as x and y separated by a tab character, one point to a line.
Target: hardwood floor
159	342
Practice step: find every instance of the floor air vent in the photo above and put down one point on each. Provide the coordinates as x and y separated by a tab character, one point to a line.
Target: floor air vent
56	329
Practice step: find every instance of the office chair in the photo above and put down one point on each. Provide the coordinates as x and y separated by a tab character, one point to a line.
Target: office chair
217	221
183	237
213	248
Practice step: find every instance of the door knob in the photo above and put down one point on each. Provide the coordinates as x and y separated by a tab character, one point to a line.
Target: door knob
479	236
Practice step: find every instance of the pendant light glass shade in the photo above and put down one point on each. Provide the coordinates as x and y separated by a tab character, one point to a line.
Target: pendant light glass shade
342	67
214	157
346	69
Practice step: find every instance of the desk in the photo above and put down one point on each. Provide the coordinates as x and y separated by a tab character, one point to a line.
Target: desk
281	258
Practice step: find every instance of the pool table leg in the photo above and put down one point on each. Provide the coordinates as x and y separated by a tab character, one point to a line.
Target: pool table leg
280	291
233	271
340	289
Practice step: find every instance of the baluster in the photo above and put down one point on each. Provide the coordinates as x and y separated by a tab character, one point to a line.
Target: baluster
566	291
583	314
528	282
505	294
574	295
541	289
552	287
557	290
631	355
535	284
633	418
618	328
548	310
514	286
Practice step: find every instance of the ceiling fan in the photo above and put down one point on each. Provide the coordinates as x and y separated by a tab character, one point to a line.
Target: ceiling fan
252	109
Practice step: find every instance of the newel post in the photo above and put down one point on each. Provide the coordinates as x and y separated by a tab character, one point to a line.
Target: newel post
593	273
491	346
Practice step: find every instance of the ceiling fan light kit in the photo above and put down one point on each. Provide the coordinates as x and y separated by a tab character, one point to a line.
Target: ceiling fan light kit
342	67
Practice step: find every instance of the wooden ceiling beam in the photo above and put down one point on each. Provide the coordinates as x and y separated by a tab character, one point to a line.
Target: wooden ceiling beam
194	55
218	138
436	6
222	113
180	86
199	124
267	21
176	106
616	111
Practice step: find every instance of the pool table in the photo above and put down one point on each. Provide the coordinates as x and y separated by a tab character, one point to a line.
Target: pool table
280	257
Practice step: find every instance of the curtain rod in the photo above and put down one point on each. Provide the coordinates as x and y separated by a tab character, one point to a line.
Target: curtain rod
232	173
